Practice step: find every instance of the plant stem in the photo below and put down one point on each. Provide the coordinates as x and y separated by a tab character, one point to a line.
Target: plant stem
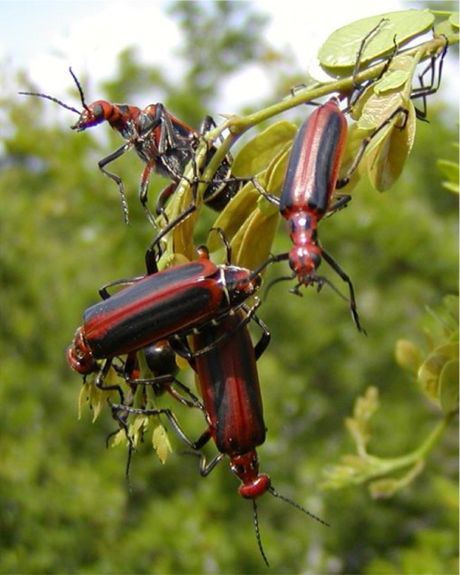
386	466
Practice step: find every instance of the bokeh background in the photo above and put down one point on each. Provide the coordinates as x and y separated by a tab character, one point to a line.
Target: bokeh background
65	506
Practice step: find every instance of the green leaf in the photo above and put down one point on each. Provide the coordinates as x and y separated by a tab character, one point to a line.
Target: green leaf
276	172
383	98
179	239
169	259
445	27
393	90
253	247
252	243
234	215
256	154
338	54
388	152
264	155
448	384
393	80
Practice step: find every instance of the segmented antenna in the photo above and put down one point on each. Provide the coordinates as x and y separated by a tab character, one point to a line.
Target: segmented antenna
272	259
55	100
296	505
321	280
79	88
228	248
47	97
259	540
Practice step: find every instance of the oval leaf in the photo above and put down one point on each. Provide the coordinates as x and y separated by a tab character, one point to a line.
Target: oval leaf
393	80
233	215
119	438
253	248
252	243
256	154
338	54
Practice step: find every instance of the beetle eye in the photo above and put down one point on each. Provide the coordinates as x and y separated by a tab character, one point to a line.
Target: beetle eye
316	259
97	111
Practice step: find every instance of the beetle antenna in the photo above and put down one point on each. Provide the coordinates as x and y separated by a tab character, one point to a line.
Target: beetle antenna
256	527
80	89
228	248
354	312
296	505
272	259
321	280
46	97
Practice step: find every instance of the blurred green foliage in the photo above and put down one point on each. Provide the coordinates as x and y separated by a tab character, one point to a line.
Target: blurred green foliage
64	502
436	373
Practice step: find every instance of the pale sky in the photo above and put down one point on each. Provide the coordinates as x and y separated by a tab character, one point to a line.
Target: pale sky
45	37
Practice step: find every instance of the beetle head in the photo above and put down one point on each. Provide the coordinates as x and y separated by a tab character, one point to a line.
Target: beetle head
79	355
304	261
246	468
94	114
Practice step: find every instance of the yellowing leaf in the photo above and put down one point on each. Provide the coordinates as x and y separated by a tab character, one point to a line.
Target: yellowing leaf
161	443
239	211
258	152
254	245
252	242
119	438
233	215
